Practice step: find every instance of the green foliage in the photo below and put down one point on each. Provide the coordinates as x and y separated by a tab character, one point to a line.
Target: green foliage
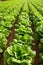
19	52
3	42
19	55
9	10
41	58
41	45
23	31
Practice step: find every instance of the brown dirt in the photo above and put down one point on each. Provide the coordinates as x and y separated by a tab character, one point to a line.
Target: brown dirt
12	34
35	48
1	59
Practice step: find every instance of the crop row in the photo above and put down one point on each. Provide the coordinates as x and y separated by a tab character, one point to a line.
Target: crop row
8	17
37	20
20	52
